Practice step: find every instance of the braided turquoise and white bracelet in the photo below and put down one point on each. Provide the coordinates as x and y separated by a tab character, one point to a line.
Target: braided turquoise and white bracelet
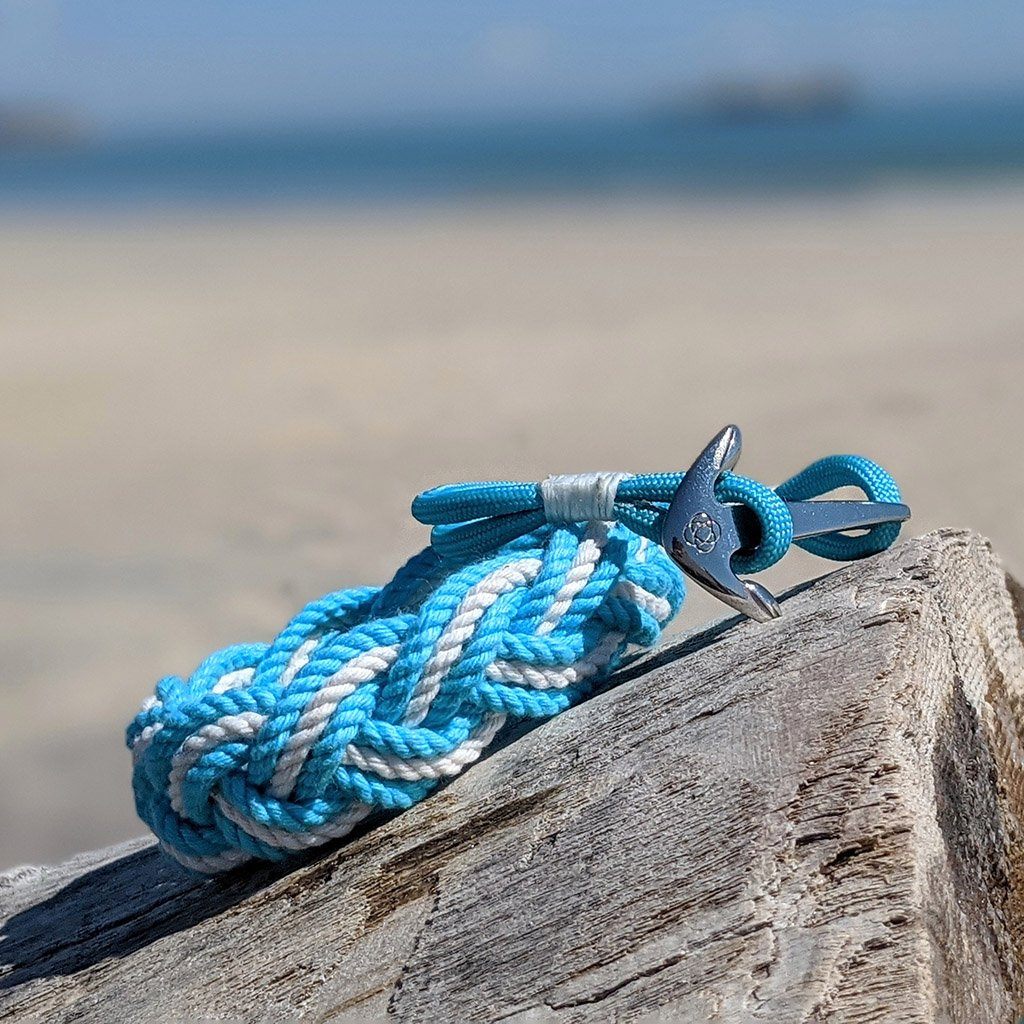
527	597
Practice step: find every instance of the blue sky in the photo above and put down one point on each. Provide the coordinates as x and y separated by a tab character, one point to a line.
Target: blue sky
144	65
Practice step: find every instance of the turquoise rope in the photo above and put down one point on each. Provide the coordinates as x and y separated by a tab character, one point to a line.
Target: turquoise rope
472	518
370	697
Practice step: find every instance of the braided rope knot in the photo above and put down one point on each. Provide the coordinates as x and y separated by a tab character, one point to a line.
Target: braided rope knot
370	697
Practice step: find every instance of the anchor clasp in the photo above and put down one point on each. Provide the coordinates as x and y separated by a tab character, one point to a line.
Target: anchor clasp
702	534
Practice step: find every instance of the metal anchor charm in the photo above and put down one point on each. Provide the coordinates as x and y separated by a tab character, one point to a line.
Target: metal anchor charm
702	534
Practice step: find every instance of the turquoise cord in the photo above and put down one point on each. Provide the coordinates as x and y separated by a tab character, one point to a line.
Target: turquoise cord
470	519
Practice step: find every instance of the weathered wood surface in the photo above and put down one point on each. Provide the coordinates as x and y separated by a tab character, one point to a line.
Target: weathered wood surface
814	820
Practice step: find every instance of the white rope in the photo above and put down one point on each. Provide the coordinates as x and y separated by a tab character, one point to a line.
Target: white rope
318	711
457	633
227	729
544	677
207	865
298	661
391	766
285	839
587	556
634	594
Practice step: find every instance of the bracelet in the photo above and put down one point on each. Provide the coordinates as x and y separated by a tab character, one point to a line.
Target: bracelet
529	595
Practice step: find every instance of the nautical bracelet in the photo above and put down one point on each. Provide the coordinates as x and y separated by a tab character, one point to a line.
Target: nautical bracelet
528	596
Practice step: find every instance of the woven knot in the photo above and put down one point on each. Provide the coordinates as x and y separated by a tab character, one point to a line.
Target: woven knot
369	698
580	497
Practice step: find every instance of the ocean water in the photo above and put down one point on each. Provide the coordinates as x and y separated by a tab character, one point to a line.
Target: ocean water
639	155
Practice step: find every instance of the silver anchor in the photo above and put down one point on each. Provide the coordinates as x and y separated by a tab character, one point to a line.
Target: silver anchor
702	534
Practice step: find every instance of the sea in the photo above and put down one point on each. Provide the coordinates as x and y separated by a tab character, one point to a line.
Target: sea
632	155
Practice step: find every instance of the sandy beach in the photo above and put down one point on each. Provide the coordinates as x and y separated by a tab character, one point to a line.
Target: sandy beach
207	419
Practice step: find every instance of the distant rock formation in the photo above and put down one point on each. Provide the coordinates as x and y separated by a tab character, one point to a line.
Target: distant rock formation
37	126
821	96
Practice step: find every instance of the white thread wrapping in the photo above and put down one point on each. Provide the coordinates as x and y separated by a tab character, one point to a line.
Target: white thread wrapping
580	497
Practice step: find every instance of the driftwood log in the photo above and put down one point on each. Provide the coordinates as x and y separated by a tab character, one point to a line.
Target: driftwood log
814	820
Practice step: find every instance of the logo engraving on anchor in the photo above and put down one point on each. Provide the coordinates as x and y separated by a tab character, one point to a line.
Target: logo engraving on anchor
702	533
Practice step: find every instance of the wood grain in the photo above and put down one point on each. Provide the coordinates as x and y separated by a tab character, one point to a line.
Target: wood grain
814	820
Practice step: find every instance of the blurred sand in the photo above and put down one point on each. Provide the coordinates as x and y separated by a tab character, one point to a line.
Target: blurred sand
206	420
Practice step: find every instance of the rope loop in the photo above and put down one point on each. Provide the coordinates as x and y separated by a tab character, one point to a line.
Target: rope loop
837	471
772	514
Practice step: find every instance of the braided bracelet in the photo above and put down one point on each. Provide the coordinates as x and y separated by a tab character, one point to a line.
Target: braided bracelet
527	597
